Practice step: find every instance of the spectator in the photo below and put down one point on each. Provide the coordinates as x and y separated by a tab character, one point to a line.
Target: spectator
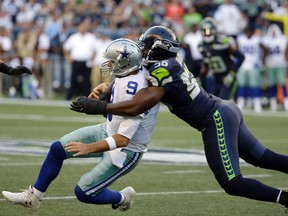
102	43
53	28
174	13
25	48
79	50
192	17
229	19
193	39
41	59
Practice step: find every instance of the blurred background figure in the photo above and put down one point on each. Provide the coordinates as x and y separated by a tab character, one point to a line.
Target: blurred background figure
222	58
6	51
229	19
41	60
249	74
80	50
103	41
25	49
276	62
193	38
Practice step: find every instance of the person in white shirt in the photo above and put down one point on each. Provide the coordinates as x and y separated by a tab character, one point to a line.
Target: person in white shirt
80	50
193	39
229	19
120	142
276	62
103	40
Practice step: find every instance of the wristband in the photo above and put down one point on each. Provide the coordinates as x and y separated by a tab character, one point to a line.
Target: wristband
111	143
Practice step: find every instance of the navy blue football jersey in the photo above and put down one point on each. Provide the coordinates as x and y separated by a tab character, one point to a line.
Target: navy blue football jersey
217	57
183	96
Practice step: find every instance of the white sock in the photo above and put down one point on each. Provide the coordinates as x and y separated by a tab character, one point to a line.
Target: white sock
38	193
278	198
122	199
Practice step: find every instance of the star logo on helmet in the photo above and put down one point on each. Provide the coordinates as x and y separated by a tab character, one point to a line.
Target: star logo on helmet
125	54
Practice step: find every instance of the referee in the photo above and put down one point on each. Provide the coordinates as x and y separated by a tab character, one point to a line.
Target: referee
79	49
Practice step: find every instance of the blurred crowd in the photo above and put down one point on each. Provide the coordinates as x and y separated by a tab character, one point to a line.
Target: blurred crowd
62	41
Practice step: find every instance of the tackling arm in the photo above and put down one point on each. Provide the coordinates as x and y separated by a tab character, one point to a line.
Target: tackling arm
14	71
143	100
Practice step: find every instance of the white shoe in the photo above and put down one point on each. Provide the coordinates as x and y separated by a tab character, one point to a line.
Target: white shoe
27	198
128	194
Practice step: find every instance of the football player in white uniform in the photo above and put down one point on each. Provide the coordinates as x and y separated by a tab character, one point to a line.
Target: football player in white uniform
276	62
249	74
120	142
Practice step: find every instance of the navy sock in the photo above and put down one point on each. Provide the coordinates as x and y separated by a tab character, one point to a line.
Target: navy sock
51	166
251	188
106	196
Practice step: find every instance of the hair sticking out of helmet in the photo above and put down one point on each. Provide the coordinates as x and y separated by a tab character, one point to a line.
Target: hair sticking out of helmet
209	30
124	57
158	43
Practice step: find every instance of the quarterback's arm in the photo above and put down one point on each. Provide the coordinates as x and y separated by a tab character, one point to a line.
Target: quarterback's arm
143	100
83	149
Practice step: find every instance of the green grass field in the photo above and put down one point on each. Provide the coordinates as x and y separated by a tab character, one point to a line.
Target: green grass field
162	189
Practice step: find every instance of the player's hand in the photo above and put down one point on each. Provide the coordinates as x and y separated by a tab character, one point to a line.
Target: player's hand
78	147
229	79
20	70
89	106
96	92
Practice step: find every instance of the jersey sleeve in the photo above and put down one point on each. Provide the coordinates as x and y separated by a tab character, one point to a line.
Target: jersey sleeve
129	126
160	74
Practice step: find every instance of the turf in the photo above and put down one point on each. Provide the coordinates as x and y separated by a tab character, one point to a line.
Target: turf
162	189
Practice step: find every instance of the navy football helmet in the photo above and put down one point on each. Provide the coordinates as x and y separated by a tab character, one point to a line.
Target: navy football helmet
209	30
158	43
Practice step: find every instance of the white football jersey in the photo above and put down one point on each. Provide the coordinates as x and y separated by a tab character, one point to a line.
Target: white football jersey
250	47
276	46
139	128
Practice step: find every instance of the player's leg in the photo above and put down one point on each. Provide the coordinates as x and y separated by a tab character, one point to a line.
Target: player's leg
255	88
242	88
221	148
253	152
281	80
93	186
272	90
53	164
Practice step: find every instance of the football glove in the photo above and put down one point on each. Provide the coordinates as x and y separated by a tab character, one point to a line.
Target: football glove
89	106
20	70
14	71
229	79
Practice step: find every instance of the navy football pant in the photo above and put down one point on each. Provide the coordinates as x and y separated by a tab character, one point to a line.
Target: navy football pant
226	139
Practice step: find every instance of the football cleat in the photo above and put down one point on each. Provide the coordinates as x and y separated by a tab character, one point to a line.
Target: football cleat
128	194
26	198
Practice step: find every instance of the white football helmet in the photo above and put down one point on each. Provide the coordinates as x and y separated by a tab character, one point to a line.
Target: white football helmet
124	56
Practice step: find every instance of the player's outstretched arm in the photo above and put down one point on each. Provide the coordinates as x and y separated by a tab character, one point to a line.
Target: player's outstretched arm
14	71
143	100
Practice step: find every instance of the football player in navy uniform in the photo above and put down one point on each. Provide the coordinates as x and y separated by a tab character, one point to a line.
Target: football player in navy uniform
221	57
13	71
225	135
